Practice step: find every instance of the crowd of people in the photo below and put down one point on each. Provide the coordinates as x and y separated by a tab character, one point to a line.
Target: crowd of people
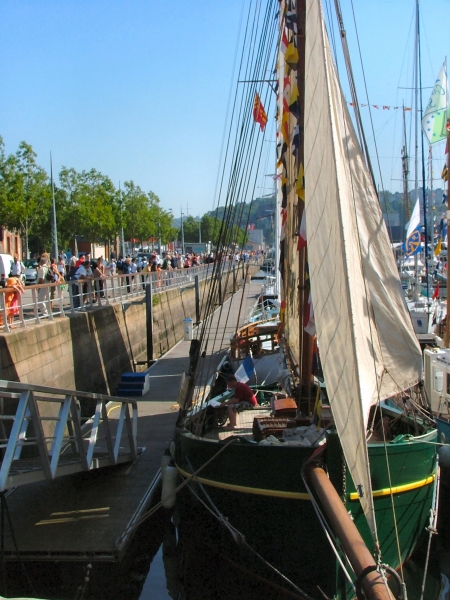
78	271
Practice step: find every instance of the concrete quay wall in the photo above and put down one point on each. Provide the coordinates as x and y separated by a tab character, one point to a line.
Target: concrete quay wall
90	350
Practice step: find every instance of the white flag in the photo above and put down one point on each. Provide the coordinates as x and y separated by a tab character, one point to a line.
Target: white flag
435	115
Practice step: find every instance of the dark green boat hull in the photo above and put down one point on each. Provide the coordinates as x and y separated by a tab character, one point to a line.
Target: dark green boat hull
260	490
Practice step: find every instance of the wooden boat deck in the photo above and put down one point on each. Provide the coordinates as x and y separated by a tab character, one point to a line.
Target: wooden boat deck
244	425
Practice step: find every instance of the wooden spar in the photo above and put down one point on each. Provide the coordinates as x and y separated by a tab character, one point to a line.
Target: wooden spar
359	556
307	342
447	329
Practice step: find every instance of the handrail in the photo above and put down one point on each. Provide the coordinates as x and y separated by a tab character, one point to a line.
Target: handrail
59	441
51	299
16	385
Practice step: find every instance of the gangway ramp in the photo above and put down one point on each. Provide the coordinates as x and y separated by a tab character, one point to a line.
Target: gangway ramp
43	434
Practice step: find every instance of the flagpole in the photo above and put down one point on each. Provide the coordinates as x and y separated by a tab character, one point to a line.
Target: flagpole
54	229
447	328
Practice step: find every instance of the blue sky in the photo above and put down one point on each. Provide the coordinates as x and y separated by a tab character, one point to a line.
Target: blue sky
139	89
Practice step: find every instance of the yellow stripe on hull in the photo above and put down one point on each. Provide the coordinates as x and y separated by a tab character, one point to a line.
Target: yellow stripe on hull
301	495
247	490
399	489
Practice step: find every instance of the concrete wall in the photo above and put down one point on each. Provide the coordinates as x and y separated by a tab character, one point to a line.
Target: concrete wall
89	351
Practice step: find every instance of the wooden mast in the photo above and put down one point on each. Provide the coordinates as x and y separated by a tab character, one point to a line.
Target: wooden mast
307	341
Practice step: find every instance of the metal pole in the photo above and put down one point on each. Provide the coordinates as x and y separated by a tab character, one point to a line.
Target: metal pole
199	231
197	299
149	319
182	234
122	237
54	229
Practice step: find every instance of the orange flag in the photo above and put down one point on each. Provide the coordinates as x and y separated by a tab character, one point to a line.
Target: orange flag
259	114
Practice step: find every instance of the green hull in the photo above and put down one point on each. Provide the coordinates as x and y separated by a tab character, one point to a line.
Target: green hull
261	492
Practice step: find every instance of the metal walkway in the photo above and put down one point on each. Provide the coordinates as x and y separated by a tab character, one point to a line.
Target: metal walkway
43	434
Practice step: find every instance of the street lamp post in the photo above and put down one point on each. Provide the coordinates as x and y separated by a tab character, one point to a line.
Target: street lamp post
122	237
182	233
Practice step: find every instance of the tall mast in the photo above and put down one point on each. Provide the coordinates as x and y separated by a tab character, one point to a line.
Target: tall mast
447	328
303	287
424	194
416	141
405	169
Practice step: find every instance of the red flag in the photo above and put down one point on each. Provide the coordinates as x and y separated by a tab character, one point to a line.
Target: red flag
259	114
436	291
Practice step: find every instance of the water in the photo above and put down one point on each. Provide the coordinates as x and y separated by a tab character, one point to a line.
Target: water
168	563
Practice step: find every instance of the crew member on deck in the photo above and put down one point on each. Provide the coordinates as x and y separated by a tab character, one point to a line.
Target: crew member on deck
244	398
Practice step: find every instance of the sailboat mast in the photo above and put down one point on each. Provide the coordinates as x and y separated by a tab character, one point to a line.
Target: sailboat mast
303	285
447	328
424	195
416	141
405	168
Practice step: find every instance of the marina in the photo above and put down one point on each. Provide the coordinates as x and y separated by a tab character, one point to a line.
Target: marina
91	515
253	402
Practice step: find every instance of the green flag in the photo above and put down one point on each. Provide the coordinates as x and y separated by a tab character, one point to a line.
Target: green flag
435	116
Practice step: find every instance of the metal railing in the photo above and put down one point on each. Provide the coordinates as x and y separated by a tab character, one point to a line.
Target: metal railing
51	300
61	444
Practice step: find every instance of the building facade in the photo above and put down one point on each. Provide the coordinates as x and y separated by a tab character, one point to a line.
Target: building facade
10	242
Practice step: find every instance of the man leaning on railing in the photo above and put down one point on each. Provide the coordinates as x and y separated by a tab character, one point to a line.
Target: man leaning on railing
83	274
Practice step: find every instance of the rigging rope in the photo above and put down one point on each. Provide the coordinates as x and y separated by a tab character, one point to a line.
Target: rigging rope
237	535
242	162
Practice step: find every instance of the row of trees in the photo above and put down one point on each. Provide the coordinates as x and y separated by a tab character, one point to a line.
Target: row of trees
88	206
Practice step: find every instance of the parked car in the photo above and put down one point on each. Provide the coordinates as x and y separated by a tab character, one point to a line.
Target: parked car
30	271
6	261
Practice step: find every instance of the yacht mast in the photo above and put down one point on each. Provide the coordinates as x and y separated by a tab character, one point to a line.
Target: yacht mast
405	169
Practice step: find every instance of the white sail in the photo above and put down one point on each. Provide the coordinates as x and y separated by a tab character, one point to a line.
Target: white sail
367	345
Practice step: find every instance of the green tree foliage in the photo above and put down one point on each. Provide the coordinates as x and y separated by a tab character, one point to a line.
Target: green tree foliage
87	206
138	214
25	191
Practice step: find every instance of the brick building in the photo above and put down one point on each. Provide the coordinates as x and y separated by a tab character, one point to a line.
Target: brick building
10	242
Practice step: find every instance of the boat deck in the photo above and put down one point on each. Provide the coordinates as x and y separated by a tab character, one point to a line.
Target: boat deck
244	425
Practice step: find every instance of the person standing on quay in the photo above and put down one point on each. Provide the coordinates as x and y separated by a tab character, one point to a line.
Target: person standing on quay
43	291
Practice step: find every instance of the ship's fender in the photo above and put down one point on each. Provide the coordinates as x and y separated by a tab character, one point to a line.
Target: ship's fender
169	484
166	459
172	449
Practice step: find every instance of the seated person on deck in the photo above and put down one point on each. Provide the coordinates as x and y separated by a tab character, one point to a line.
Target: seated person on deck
243	398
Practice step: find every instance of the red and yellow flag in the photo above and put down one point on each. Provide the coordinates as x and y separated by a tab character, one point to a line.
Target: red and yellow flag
259	114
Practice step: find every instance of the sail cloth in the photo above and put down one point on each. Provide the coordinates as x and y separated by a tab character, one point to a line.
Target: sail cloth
368	348
435	115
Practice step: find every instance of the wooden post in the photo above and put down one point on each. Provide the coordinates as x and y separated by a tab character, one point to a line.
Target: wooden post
149	319
359	556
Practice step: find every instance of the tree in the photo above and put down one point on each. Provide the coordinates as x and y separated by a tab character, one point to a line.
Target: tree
137	214
190	229
26	193
87	206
